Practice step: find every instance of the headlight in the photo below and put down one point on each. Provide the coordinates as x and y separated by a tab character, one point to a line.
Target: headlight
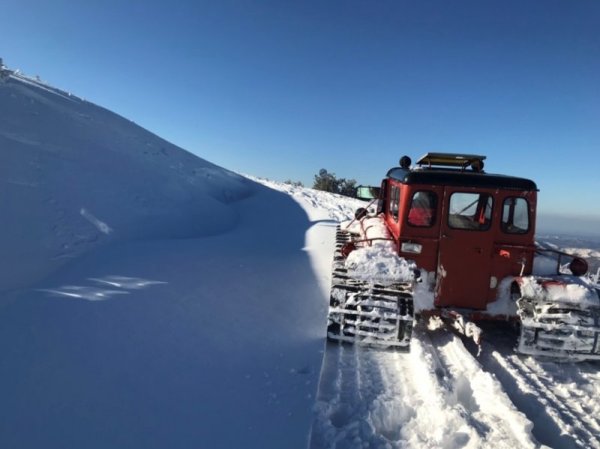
413	248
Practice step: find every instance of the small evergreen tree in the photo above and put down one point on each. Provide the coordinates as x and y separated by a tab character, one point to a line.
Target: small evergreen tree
347	187
328	182
325	181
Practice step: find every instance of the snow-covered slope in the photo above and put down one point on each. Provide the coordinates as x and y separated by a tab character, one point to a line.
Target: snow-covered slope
75	176
149	299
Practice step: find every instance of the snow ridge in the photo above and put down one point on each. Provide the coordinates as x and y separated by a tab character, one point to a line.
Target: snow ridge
75	164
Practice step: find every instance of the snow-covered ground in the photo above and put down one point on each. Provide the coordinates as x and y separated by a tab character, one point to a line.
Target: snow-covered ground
150	299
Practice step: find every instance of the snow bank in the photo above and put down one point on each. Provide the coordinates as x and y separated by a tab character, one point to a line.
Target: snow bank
149	298
75	177
586	253
318	205
325	210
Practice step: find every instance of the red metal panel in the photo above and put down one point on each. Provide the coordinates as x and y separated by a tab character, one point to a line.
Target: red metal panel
513	253
428	237
465	260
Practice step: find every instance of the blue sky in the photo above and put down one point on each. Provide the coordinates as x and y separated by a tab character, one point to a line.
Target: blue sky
281	89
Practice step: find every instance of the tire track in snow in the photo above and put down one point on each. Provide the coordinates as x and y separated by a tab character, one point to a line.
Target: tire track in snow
578	422
487	407
438	421
582	424
436	396
559	398
557	422
344	396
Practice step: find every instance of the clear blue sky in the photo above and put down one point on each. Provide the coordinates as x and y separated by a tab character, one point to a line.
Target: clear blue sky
281	89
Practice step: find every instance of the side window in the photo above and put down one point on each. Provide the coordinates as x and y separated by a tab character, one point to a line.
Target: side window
422	209
472	211
394	202
515	216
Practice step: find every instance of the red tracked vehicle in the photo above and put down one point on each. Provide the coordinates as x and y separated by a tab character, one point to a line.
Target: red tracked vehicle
470	235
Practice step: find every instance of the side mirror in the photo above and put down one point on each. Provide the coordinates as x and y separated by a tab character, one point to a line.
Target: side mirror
367	192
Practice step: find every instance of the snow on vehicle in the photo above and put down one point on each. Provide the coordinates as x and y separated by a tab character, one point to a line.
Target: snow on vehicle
451	240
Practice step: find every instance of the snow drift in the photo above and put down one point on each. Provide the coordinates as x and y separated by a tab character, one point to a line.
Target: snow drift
148	298
75	175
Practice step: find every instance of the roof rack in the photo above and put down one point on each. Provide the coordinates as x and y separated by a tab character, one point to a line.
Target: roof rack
452	160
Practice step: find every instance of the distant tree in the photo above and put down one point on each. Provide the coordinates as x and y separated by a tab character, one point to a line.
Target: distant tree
347	187
328	182
294	183
325	181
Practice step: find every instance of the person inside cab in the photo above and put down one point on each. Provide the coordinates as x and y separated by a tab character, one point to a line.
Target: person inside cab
422	209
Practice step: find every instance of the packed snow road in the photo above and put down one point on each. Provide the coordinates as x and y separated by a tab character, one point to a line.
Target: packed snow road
561	399
442	395
435	396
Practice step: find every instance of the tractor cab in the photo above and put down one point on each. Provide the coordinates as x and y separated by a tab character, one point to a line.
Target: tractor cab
472	229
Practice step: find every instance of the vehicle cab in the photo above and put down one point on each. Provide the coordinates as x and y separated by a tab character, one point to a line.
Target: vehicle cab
472	229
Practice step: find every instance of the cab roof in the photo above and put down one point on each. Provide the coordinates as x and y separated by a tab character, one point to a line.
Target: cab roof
461	177
455	169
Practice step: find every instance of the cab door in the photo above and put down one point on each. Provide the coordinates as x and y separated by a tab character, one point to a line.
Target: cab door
465	249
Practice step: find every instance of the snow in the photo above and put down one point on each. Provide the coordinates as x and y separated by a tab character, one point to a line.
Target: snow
380	264
504	304
378	261
578	291
150	299
435	396
582	252
423	297
76	177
